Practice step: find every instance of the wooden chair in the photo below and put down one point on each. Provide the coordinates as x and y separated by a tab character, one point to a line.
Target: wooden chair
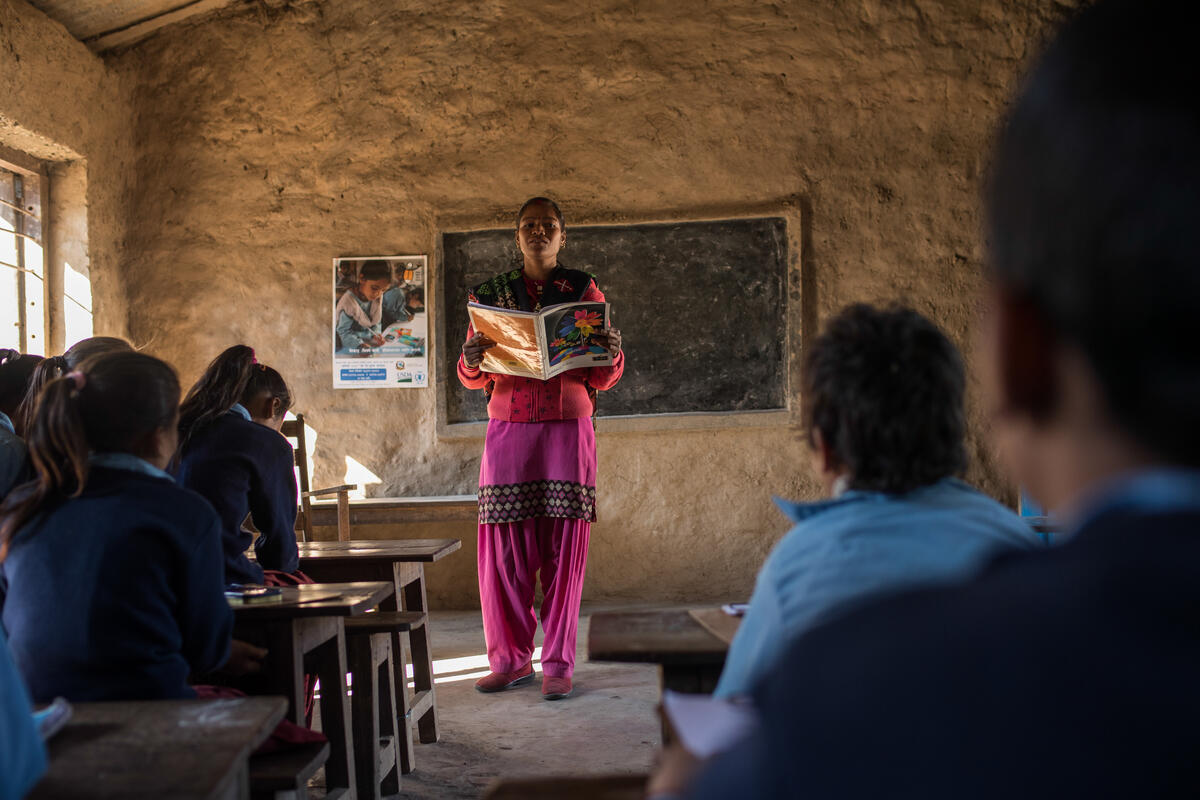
379	704
294	429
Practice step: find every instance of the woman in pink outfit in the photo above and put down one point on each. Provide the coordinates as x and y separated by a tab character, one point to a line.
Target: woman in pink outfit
537	482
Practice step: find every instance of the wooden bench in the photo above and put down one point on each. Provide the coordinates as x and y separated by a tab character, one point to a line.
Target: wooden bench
286	773
379	708
601	787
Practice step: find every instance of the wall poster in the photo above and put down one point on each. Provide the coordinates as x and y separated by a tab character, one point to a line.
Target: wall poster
380	328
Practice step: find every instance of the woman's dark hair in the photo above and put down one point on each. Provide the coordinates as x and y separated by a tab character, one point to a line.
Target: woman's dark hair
234	376
110	403
885	390
1091	205
16	372
541	201
374	270
57	366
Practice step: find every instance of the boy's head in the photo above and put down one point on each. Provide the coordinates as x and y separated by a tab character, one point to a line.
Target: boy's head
374	277
1091	208
415	300
883	400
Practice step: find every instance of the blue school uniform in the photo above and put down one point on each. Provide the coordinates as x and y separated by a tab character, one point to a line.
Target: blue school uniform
860	544
243	468
117	594
13	456
352	313
22	754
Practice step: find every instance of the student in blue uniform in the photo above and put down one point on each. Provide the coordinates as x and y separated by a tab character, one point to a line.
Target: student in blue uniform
16	371
360	308
232	453
22	754
56	366
111	587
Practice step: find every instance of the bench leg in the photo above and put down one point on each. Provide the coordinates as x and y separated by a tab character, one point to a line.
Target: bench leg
386	714
329	664
364	700
412	581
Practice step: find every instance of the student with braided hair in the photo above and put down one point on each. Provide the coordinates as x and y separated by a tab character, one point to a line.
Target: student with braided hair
231	453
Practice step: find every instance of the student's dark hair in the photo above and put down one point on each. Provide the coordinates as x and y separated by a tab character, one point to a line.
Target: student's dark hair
57	366
544	201
16	372
109	403
374	270
885	390
1091	204
415	293
232	377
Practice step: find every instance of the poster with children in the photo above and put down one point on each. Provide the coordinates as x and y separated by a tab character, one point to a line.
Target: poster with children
380	329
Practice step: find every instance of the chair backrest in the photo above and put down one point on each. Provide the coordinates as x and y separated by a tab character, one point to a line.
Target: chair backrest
294	429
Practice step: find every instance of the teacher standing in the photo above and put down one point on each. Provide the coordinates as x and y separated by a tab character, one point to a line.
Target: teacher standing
537	482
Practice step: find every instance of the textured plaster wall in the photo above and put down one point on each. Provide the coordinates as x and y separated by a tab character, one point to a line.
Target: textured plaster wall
61	104
270	142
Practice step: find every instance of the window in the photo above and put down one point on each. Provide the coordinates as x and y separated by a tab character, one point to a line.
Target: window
45	290
22	263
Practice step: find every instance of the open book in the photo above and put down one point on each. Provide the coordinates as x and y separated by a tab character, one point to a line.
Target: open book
542	344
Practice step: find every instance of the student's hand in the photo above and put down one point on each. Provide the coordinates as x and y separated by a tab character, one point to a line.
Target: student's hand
474	348
244	658
377	340
674	772
609	339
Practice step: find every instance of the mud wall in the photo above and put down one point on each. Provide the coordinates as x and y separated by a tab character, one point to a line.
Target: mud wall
269	142
62	105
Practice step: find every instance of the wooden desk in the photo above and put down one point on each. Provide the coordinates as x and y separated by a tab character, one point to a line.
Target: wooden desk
303	635
400	562
184	749
397	510
691	658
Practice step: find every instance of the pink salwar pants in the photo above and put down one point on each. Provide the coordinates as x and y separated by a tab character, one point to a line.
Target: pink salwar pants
512	555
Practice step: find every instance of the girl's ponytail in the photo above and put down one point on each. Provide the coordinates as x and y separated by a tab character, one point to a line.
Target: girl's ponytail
57	366
221	386
111	403
58	448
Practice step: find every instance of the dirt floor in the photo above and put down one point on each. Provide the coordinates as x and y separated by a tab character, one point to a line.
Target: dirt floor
609	726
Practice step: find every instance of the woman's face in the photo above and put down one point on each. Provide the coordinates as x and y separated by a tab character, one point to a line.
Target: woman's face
538	233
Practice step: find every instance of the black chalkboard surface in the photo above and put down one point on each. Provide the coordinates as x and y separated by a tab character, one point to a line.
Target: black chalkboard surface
702	309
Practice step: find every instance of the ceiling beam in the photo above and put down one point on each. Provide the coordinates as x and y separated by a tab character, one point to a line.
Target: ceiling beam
132	32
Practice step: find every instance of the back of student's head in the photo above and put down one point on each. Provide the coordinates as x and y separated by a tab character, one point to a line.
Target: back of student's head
884	388
1092	208
112	403
57	366
16	372
235	376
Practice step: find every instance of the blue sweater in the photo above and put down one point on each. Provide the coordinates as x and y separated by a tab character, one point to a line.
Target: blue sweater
1065	673
862	543
243	468
22	755
117	594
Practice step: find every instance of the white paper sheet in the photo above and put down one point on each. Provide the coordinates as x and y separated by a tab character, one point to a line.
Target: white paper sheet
707	726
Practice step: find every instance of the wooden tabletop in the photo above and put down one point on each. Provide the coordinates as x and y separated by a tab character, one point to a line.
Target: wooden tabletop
318	600
393	510
184	749
659	637
423	550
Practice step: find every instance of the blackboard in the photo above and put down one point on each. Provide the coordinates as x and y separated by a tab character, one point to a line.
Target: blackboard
702	309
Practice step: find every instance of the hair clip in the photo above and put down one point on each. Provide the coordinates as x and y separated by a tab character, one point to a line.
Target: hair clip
253	357
78	379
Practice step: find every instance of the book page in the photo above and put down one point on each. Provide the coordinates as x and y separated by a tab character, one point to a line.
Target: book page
707	725
568	328
515	333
